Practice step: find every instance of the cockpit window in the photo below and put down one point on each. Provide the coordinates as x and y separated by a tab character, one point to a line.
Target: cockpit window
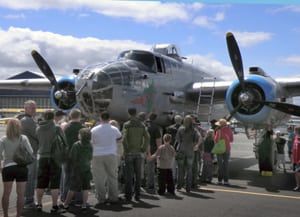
144	57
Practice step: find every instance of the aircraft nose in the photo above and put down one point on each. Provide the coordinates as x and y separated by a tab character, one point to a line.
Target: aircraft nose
95	93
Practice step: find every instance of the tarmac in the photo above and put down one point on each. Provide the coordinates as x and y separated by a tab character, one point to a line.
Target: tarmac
249	194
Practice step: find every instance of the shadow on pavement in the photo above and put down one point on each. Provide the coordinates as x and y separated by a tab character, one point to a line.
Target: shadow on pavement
239	170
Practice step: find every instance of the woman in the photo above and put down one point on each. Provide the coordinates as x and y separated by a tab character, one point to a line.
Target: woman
189	140
296	158
11	171
223	131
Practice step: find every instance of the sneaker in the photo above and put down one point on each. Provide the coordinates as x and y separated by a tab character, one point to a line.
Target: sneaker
226	183
55	209
62	206
137	198
30	206
296	189
39	207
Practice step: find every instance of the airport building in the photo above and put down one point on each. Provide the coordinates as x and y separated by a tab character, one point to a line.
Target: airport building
14	99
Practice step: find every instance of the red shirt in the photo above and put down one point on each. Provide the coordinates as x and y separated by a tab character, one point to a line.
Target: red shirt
226	134
296	151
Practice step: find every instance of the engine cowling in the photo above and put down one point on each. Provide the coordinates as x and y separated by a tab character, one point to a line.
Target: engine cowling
64	96
251	112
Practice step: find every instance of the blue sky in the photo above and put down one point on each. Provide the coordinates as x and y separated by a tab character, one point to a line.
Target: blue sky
72	34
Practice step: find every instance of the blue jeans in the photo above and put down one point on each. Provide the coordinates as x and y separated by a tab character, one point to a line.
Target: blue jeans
65	179
185	166
151	168
132	173
31	182
223	171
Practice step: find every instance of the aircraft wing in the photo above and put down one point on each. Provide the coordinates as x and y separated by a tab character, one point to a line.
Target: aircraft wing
30	84
206	88
290	85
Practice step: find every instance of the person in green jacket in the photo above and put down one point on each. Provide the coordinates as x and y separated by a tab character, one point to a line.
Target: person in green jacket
135	141
81	155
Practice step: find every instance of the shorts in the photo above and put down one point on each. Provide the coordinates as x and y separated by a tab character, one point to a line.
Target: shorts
49	173
297	168
15	172
81	181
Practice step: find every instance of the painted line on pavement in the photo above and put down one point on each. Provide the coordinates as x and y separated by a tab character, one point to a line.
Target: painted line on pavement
252	193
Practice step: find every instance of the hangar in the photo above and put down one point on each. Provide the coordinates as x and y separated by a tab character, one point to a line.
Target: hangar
14	99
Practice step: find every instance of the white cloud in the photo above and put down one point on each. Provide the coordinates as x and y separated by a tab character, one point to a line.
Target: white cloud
140	11
63	53
209	22
292	60
212	66
247	39
15	16
154	12
293	8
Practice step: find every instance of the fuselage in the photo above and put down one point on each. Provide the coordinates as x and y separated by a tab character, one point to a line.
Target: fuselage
148	81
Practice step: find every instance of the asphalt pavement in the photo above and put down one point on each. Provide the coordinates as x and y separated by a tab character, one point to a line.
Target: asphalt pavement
249	194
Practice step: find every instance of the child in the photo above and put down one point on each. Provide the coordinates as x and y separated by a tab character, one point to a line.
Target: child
81	155
208	144
165	155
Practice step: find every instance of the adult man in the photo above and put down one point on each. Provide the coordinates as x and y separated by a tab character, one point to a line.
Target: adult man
172	130
71	131
155	141
105	159
290	140
189	140
135	140
29	129
49	171
280	143
58	116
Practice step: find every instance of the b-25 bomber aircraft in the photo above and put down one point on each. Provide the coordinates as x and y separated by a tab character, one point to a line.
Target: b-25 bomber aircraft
162	82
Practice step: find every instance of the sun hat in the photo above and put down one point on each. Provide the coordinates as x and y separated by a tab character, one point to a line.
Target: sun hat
222	122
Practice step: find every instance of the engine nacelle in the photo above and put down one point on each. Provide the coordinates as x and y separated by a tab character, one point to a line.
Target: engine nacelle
252	113
64	97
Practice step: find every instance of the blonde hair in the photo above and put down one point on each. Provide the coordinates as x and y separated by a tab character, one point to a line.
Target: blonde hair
75	113
167	138
188	121
210	133
29	103
297	129
13	128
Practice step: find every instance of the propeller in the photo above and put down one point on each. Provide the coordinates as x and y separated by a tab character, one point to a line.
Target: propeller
237	63
236	58
44	67
283	107
64	94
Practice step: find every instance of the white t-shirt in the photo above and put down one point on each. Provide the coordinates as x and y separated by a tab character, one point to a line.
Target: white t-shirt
104	139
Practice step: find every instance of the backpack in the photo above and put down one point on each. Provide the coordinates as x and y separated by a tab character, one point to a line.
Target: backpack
59	148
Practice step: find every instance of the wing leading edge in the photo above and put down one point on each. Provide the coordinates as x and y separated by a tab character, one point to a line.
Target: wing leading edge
29	84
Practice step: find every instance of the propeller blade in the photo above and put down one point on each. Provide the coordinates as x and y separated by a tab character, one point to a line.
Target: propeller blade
235	57
44	67
283	107
233	112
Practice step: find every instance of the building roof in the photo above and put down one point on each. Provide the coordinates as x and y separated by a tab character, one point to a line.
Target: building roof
27	74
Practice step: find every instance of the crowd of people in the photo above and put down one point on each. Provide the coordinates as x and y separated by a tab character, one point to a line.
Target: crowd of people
118	159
